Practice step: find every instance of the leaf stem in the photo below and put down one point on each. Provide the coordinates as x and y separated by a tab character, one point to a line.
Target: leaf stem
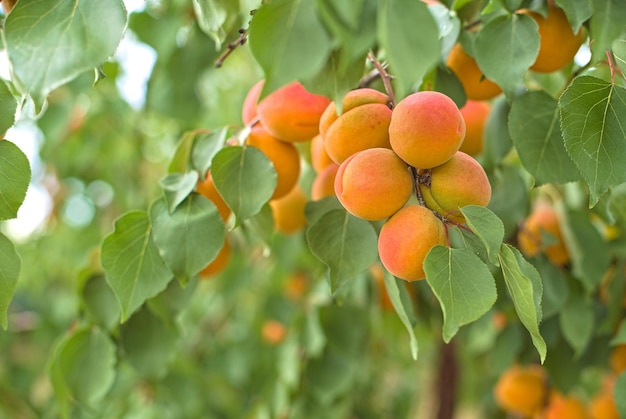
609	57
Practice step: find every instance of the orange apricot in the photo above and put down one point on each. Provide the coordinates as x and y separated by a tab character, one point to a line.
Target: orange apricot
378	275
284	156
560	407
617	359
351	100
602	406
296	285
319	157
288	211
543	220
273	332
249	108
558	43
292	113
521	390
475	84
475	114
406	238
324	183
206	188
426	129
219	263
373	184
459	182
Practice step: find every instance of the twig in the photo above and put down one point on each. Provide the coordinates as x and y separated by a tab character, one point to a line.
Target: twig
611	66
369	78
243	37
386	78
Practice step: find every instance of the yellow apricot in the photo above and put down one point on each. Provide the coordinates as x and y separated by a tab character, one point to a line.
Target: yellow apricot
602	406
273	332
543	219
319	157
249	108
521	390
292	113
296	286
206	188
475	114
459	182
561	407
558	44
324	183
351	100
426	129
617	359
219	263
475	84
406	238
288	211
284	156
373	184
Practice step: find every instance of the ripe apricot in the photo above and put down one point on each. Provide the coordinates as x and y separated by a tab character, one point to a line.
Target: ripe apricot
560	407
406	238
324	183
363	123
373	184
617	359
296	286
292	113
558	43
284	156
273	332
288	211
219	263
206	188
459	182
475	114
475	84
426	129
521	390
249	108
543	220
602	406
319	157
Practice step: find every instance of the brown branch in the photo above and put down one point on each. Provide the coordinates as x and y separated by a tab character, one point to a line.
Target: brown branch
243	37
386	78
447	382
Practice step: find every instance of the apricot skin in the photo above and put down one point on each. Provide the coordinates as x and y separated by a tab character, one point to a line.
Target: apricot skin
351	100
284	156
206	188
405	240
324	183
602	406
464	66
617	360
373	184
568	407
319	157
249	108
291	113
475	114
426	129
219	263
288	211
521	390
543	219
459	182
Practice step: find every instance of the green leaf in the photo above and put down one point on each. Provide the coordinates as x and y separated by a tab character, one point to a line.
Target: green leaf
509	197
576	319
401	301
411	53
51	42
183	153
593	120
100	303
149	343
177	187
498	142
245	178
14	179
315	209
618	394
8	106
169	303
288	41
205	148
189	238
536	132
10	265
463	285
345	243
577	12
134	269
606	24
83	367
505	48
449	26
555	286
524	285
619	52
487	226
216	17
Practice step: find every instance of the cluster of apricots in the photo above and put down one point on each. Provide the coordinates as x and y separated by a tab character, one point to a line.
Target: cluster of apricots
525	392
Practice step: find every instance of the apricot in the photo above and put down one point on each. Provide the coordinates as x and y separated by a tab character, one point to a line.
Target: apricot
475	114
406	238
249	108
284	156
319	157
292	113
206	188
521	390
426	129
602	406
459	182
363	123
475	84
558	43
543	220
373	184
324	183
288	211
617	359
219	263
296	286
273	332
569	407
